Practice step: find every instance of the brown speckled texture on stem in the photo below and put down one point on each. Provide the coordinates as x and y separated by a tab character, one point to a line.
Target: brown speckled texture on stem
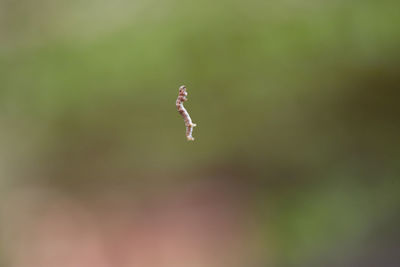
186	117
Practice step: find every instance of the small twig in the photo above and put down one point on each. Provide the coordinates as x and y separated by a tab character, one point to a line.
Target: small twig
181	109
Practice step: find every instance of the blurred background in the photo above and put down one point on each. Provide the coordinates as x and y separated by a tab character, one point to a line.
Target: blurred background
296	160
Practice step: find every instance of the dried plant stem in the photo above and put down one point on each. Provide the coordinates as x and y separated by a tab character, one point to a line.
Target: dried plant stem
186	117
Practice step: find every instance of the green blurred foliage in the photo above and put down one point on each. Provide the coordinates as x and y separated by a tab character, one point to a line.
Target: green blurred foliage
298	100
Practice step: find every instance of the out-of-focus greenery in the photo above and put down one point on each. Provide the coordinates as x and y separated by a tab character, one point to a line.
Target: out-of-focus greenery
296	99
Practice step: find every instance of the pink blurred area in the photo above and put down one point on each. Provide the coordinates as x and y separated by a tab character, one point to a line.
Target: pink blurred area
200	225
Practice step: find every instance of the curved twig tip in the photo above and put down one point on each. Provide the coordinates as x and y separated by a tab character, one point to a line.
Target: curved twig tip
186	117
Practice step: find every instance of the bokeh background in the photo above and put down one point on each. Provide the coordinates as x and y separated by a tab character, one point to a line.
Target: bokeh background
297	151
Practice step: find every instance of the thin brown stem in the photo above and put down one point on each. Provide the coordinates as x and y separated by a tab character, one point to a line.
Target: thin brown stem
186	117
